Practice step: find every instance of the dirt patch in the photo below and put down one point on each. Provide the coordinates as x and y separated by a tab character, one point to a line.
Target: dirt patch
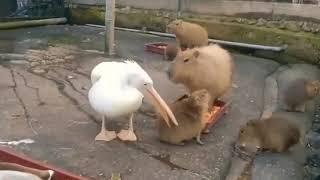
52	55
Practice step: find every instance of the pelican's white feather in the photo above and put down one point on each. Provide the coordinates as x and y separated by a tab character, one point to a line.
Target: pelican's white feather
111	67
117	68
110	93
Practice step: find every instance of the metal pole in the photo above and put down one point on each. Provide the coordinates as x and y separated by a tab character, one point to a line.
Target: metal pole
230	43
109	22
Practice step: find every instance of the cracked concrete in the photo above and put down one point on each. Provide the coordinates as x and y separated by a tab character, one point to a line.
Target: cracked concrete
59	111
18	96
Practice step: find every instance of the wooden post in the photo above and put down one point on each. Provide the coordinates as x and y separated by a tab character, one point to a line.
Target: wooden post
179	8
109	22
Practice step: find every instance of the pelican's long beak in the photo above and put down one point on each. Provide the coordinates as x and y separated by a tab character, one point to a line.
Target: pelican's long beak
152	95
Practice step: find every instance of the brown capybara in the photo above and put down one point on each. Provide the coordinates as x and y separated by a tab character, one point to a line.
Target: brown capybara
299	92
190	113
273	134
210	67
188	35
171	51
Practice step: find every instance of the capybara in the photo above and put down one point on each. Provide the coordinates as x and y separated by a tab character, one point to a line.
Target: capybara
170	52
189	111
299	92
210	67
188	35
273	134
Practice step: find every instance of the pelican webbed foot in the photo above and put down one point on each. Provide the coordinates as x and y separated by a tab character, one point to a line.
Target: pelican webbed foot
127	135
106	136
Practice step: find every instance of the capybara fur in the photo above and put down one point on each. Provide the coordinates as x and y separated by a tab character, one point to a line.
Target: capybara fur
189	111
210	67
299	92
273	134
188	35
171	52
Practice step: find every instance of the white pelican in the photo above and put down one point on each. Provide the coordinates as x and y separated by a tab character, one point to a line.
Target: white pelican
118	89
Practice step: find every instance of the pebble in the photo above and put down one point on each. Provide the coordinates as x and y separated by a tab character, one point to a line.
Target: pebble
58	60
38	71
32	64
70	57
70	77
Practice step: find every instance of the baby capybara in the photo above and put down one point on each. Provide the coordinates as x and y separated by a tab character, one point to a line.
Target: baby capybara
210	67
190	113
273	134
188	35
299	92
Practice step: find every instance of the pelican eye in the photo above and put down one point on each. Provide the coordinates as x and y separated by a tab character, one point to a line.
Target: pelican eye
145	84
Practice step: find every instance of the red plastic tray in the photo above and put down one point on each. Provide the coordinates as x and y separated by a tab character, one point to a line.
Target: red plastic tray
154	47
214	117
8	155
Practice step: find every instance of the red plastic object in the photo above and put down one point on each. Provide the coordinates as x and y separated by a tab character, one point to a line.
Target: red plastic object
214	117
8	155
154	47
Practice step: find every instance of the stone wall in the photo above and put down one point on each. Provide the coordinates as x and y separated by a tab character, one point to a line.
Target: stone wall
277	23
219	7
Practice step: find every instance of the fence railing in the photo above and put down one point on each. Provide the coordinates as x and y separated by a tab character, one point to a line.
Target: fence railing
32	8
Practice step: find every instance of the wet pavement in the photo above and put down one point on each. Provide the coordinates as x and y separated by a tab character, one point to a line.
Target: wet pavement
47	102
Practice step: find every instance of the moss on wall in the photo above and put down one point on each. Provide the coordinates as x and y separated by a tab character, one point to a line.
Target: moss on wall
301	46
87	14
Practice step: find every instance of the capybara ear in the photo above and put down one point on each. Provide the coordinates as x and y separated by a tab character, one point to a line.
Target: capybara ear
196	53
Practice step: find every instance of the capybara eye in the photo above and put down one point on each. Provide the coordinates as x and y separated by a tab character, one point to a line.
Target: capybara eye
186	60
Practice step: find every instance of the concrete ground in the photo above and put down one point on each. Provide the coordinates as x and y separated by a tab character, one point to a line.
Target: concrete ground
48	103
